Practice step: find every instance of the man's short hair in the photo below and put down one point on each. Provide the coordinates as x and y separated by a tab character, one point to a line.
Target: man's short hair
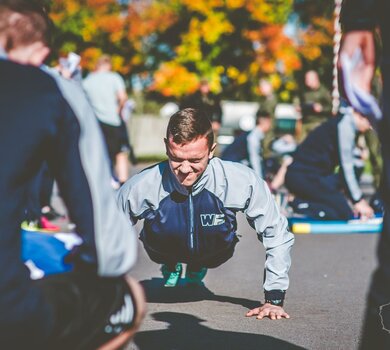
262	114
23	23
188	125
103	60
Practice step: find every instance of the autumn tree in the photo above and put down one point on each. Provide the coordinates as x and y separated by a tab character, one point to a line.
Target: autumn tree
315	38
91	27
172	44
231	43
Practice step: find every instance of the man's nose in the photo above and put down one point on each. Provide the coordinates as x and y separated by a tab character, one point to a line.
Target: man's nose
185	167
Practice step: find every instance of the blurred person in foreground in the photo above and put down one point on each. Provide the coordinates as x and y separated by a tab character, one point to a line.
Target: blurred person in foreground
106	91
47	118
359	19
189	205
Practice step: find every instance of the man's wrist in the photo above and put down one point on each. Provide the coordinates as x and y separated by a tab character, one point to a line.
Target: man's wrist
355	201
275	297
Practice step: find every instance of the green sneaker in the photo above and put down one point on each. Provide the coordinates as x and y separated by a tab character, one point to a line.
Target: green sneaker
195	277
171	277
30	226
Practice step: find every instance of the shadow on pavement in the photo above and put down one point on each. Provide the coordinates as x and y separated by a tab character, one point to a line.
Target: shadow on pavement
185	332
156	293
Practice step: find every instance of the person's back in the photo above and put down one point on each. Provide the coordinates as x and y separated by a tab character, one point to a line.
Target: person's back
44	118
238	149
319	151
102	88
24	140
106	91
247	147
312	175
38	124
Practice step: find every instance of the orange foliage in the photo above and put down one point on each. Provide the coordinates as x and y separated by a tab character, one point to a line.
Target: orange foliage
318	35
274	47
172	79
145	19
111	24
89	58
100	3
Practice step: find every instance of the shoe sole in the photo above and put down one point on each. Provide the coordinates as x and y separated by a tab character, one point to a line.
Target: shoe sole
140	305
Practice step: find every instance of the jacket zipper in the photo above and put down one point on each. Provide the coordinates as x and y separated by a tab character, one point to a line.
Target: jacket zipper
191	212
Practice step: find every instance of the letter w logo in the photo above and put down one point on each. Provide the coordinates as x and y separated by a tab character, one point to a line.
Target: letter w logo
212	219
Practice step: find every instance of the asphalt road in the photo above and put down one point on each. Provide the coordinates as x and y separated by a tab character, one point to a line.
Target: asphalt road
329	279
330	276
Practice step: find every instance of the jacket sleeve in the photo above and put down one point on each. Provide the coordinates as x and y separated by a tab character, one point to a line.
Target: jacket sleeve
360	14
80	162
254	152
264	215
346	141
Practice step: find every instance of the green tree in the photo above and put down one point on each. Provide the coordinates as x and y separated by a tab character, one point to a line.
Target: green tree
223	41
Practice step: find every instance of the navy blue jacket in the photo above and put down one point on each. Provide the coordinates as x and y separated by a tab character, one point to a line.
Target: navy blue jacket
238	149
196	225
330	145
43	119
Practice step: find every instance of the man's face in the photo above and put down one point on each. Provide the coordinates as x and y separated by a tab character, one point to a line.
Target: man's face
312	80
267	124
204	88
188	161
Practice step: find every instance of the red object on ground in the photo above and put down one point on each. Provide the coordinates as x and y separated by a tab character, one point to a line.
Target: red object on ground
47	225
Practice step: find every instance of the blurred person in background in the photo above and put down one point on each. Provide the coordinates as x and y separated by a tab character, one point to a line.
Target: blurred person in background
127	114
312	179
376	163
268	102
247	147
267	98
360	19
106	91
315	104
46	118
205	100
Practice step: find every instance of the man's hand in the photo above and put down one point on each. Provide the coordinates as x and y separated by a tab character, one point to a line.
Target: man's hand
317	107
364	40
363	209
267	310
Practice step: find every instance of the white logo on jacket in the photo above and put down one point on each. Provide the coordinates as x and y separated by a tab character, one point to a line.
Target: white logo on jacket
212	219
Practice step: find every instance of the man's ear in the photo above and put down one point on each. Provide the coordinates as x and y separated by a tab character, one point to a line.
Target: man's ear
166	145
39	55
33	54
212	150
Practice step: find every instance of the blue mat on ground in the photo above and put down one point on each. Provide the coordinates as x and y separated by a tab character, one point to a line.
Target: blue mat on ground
44	253
306	226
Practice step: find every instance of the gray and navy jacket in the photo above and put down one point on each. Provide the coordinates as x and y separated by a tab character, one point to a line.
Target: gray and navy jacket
42	119
330	145
196	225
